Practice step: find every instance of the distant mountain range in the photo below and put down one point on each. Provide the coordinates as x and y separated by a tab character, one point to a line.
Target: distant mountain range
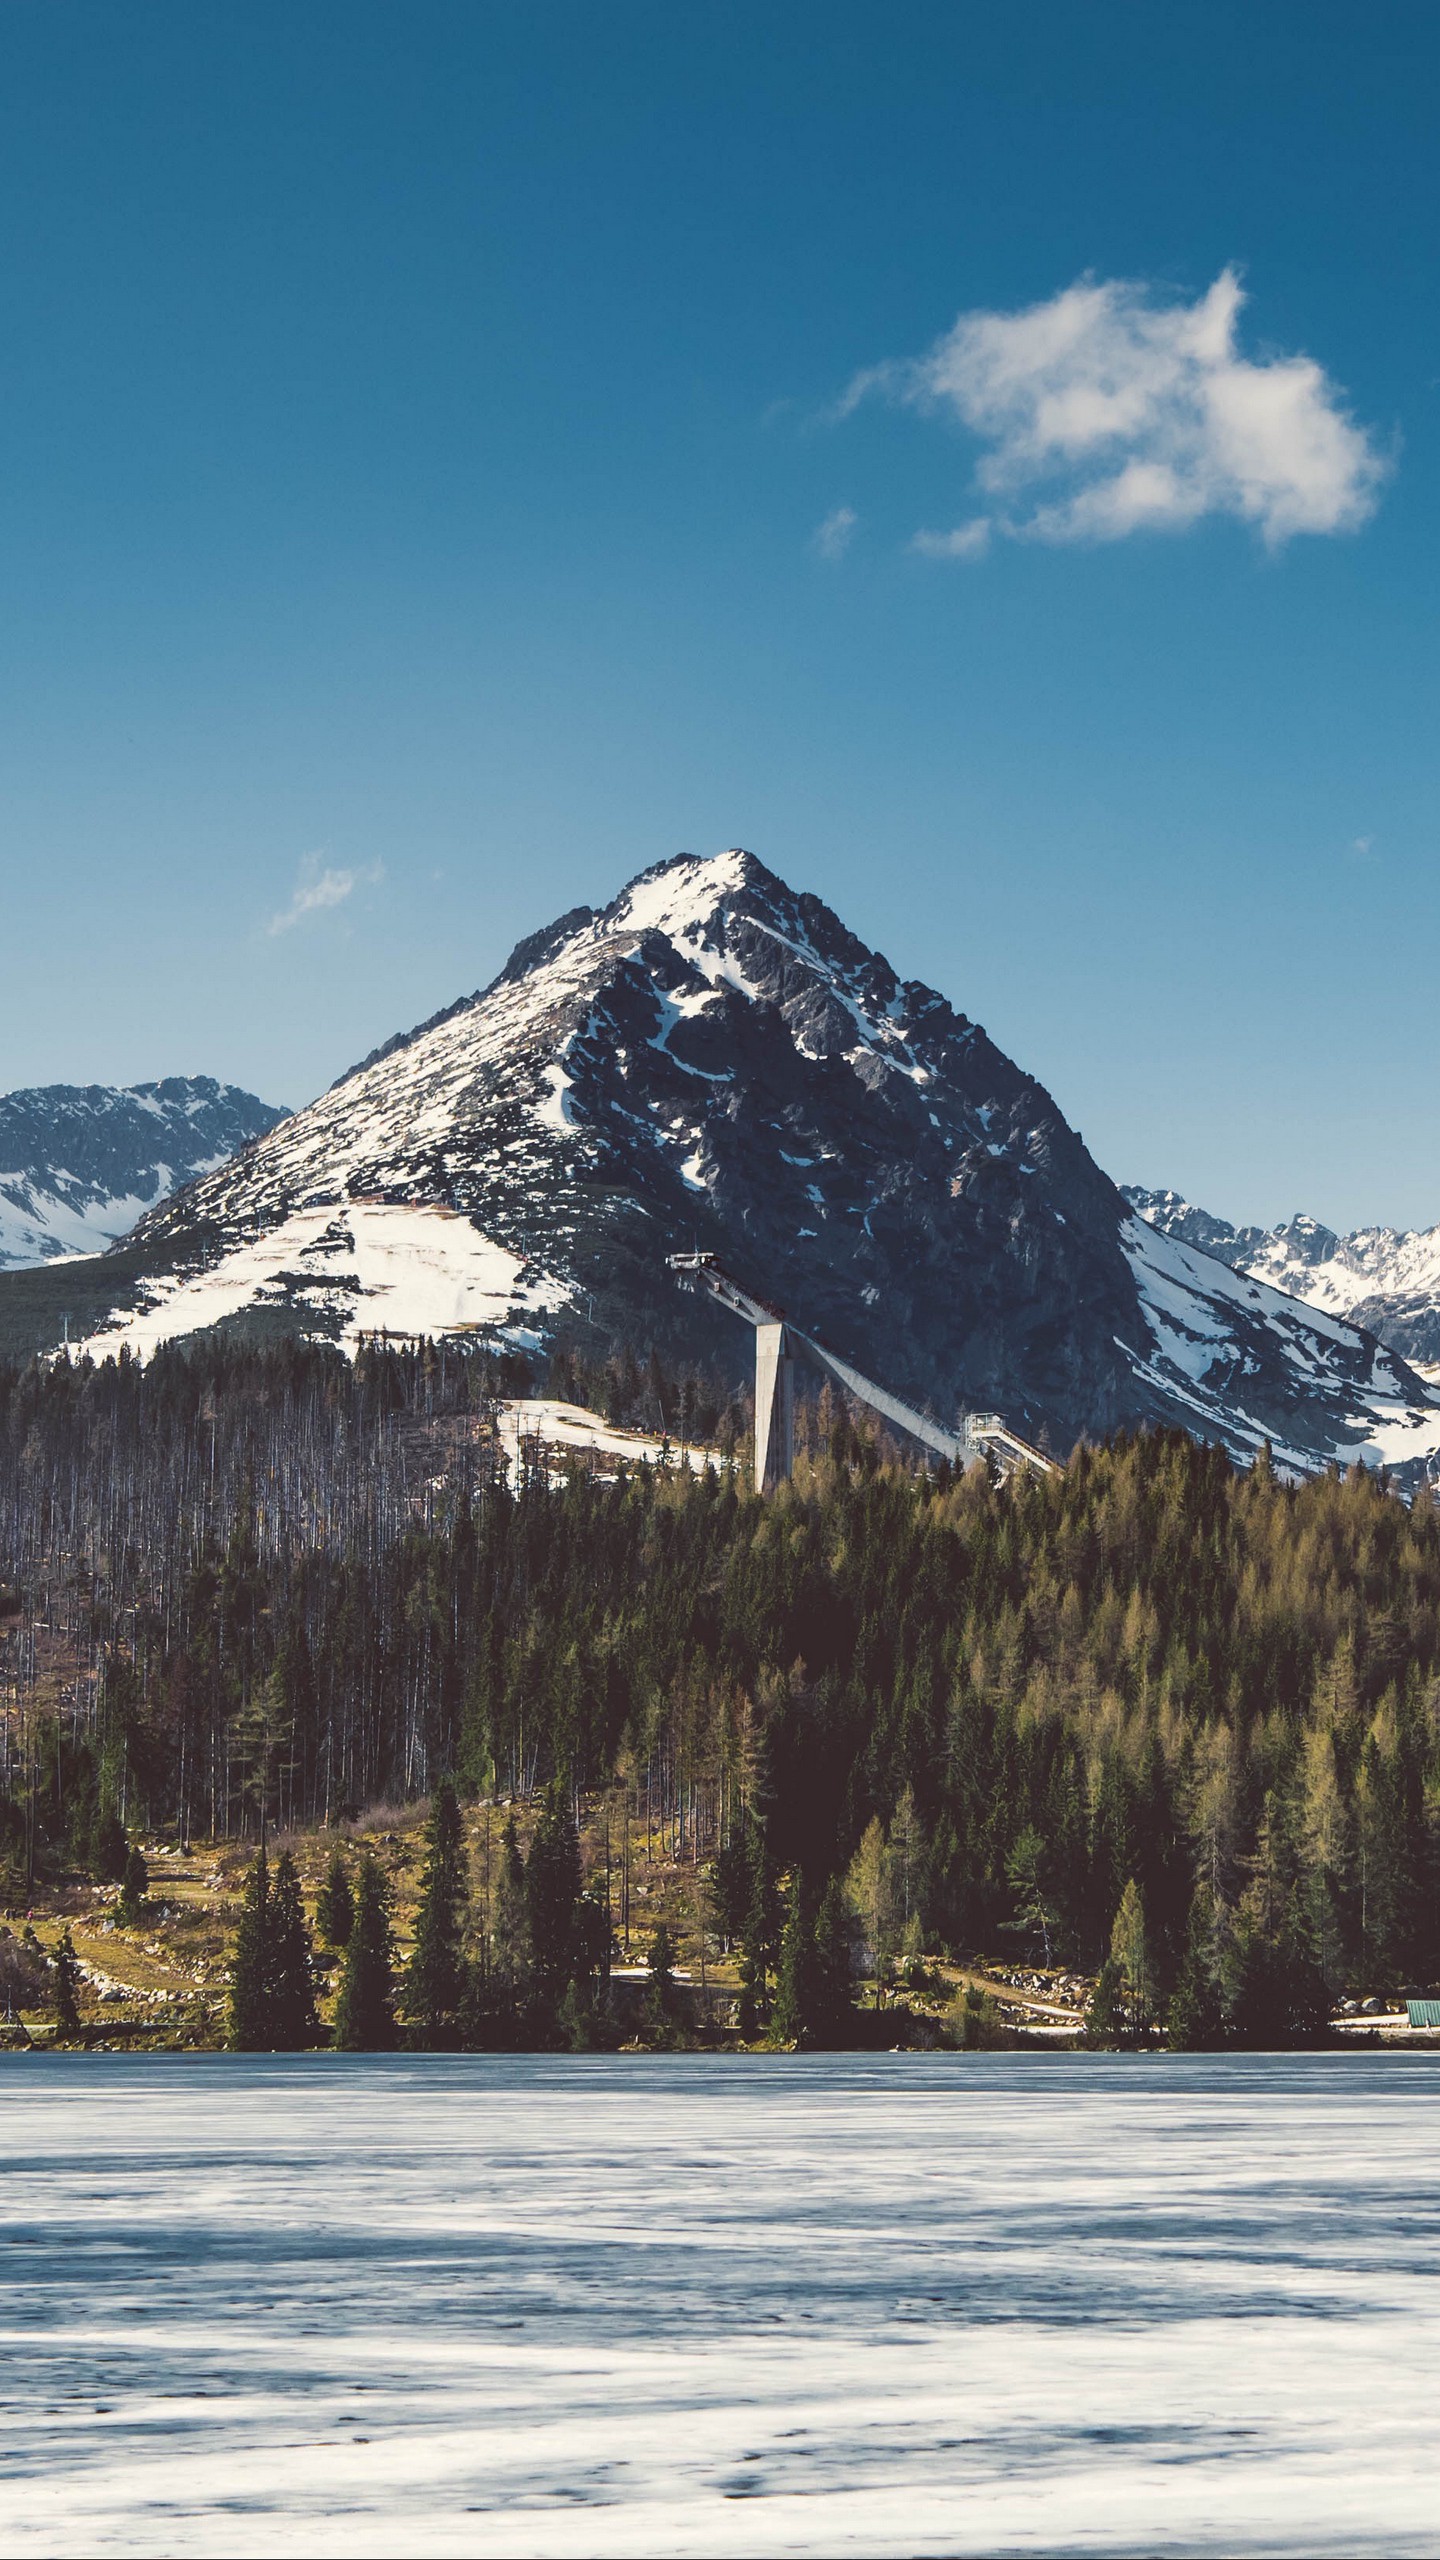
1384	1278
79	1164
714	1060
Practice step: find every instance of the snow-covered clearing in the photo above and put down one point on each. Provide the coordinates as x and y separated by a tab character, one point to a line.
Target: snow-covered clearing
529	1423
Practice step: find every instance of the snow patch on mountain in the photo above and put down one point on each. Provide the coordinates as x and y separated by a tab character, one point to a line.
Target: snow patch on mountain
369	1267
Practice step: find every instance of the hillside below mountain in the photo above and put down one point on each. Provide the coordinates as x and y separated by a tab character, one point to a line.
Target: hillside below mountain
80	1164
713	1060
1386	1279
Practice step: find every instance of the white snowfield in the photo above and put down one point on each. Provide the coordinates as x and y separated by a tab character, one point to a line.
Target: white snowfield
1200	1313
365	1267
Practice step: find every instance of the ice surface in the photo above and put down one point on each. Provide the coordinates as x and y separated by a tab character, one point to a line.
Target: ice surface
909	2304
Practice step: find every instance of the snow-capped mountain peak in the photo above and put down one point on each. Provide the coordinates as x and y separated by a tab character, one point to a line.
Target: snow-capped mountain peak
714	1060
1386	1279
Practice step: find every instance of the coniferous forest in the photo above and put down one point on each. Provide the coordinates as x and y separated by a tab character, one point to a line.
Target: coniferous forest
1170	1723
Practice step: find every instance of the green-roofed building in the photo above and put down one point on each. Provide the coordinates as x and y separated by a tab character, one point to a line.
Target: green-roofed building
1424	2013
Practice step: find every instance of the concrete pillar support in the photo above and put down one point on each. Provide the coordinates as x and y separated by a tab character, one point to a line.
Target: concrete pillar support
774	1407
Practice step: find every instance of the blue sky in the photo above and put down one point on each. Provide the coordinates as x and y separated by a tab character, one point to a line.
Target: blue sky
452	456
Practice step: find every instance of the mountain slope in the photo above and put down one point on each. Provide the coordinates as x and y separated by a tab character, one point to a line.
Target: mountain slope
79	1164
714	1060
1384	1278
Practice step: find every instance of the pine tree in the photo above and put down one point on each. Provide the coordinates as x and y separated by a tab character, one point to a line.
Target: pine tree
832	2020
364	2012
1195	2017
495	2008
511	1932
1107	2020
661	1990
552	1891
760	1946
134	1886
1130	1951
67	1986
796	1994
873	1890
1278	1996
250	1964
335	1904
1026	1873
108	1849
433	1991
293	2026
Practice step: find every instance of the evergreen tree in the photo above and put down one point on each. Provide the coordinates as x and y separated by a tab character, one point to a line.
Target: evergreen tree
1108	2027
1026	1872
335	1904
552	1894
1195	2017
364	2011
798	1996
108	1849
496	2006
292	2023
433	1991
662	1993
760	1948
134	1886
1278	1997
833	2013
874	1893
583	2022
1130	1953
250	1972
730	1882
67	1986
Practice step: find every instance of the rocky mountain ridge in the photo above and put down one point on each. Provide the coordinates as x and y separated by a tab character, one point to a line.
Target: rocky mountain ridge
80	1164
714	1060
1384	1278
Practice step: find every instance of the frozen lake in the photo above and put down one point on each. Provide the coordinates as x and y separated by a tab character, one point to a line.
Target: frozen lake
911	2304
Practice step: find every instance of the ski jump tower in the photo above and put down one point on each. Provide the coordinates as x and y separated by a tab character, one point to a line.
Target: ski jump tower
778	1344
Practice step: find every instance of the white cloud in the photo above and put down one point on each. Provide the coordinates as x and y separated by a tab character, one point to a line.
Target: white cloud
832	538
1108	411
965	542
321	885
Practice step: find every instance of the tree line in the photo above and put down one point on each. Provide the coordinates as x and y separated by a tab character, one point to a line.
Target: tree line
1151	1695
